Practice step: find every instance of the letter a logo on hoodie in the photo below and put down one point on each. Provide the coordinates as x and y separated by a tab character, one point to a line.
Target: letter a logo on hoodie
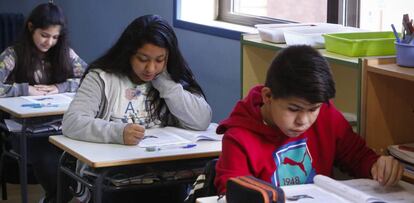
293	164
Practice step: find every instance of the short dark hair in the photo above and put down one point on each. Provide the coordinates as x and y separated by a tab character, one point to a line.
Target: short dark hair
301	71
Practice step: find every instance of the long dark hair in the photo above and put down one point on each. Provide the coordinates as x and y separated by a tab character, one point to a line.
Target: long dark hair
154	30
42	17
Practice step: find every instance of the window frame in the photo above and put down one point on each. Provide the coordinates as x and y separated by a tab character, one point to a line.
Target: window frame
334	15
226	14
210	30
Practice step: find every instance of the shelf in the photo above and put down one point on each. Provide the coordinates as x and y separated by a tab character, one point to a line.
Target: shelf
255	40
389	68
387	110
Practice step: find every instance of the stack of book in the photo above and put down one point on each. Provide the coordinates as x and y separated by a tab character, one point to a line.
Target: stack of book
404	153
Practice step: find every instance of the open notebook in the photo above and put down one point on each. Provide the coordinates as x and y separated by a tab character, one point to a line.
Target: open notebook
53	100
172	136
326	189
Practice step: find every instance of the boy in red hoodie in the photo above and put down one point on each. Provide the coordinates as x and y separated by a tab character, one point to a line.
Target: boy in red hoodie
288	130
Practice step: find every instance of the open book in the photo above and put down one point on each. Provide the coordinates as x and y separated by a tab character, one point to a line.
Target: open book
326	189
172	136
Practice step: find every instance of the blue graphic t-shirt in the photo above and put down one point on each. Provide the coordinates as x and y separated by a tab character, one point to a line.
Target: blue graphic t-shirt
293	164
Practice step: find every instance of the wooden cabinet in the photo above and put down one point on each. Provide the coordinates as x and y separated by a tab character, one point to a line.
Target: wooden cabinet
257	56
387	103
387	112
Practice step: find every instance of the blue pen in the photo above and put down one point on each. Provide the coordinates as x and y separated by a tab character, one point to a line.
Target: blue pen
36	105
395	33
189	146
32	105
155	148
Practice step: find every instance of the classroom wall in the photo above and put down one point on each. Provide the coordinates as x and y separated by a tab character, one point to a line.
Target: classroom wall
94	25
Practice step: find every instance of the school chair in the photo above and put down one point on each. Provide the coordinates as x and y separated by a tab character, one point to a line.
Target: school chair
204	185
9	168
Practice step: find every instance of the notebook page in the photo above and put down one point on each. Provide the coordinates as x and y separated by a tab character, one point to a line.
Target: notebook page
310	193
403	192
157	137
194	136
59	99
343	190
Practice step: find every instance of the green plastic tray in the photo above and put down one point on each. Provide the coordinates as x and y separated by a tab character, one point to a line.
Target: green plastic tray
361	43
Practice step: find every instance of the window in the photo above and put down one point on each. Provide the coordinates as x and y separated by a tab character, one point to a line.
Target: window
229	18
201	16
249	12
375	15
380	14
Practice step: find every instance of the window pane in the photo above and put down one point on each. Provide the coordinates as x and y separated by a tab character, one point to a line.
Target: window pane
380	14
303	11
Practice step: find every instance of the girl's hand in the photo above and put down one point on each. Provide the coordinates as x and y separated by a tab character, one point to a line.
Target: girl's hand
49	89
133	134
387	170
33	91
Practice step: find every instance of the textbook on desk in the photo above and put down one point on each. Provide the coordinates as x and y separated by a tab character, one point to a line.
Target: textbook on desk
173	136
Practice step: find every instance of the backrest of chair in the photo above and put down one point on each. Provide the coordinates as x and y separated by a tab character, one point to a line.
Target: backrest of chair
210	170
204	185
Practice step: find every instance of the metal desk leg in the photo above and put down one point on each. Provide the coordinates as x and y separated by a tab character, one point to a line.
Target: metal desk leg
2	173
60	179
98	186
23	163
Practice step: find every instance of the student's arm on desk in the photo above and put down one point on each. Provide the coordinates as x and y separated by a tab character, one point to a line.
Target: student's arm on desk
7	64
79	121
78	67
192	110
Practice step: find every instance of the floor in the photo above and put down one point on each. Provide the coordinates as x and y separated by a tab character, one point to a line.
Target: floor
35	192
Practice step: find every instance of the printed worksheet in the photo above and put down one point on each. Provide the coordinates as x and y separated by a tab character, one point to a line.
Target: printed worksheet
54	99
157	137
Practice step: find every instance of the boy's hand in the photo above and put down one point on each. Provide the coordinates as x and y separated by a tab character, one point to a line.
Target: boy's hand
133	134
387	170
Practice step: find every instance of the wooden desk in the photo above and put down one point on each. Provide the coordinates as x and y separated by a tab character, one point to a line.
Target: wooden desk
108	156
119	155
13	106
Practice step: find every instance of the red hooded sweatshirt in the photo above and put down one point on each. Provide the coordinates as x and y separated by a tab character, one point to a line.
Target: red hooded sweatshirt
252	148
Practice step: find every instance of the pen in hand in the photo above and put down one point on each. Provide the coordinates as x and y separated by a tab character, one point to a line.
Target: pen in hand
133	118
133	134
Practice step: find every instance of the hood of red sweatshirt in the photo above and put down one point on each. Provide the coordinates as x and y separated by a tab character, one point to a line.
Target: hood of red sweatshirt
246	114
